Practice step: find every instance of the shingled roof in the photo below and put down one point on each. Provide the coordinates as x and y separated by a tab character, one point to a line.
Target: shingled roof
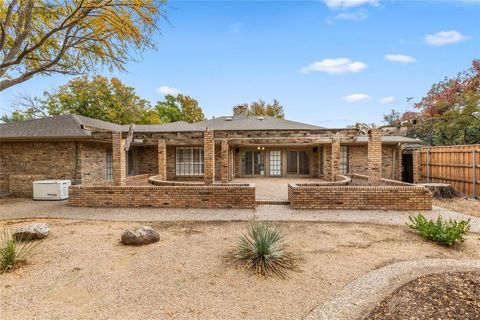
64	126
253	123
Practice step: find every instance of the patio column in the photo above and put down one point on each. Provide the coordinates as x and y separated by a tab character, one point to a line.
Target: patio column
208	157
118	159
224	164
335	158
417	165
374	157
162	159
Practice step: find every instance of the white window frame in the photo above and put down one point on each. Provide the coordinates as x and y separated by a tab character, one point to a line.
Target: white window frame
188	166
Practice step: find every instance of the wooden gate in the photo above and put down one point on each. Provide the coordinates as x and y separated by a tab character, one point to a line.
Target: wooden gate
458	166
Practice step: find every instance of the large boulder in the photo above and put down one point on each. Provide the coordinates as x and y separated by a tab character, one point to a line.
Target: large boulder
141	236
32	231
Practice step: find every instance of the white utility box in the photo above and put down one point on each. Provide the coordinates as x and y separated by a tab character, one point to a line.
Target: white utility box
51	189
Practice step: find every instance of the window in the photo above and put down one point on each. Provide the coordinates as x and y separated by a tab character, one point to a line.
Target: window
189	161
109	163
344	159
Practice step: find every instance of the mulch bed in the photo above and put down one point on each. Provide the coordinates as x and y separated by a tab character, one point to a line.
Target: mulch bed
452	295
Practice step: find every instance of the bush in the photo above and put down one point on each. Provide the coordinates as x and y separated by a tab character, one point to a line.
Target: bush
13	251
446	233
263	250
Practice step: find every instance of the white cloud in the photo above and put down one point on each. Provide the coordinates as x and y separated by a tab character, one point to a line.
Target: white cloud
340	4
236	28
444	37
357	97
168	90
388	100
399	58
335	66
353	16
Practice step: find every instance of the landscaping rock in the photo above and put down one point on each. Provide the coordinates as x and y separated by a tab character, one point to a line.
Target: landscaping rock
32	231
141	236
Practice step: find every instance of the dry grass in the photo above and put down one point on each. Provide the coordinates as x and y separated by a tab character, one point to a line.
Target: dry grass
464	205
82	271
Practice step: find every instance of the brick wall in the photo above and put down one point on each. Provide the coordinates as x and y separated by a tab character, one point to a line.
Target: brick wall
21	163
208	197
383	197
358	160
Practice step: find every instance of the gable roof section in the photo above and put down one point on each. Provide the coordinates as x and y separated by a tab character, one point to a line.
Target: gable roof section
253	123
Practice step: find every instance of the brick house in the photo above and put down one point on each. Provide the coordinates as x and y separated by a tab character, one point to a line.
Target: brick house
87	151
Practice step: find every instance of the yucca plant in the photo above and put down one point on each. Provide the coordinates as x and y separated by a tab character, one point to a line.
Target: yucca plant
13	251
263	250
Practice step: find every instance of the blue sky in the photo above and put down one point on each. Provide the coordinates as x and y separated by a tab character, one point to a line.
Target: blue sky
330	63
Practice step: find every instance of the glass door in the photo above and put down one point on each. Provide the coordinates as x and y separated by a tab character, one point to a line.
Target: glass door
253	163
275	163
298	163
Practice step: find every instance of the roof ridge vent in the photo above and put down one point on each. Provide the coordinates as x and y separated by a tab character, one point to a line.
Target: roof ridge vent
228	118
261	118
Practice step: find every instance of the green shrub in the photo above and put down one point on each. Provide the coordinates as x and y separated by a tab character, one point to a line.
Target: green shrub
446	233
264	251
12	251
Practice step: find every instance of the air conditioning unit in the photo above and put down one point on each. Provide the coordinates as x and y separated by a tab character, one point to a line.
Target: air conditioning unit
51	189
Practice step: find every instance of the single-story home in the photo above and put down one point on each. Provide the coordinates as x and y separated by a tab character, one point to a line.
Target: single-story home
86	150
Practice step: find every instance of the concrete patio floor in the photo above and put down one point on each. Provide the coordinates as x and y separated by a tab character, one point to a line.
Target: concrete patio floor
274	188
16	208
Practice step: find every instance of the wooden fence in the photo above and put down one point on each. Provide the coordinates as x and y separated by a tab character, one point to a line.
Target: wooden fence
458	166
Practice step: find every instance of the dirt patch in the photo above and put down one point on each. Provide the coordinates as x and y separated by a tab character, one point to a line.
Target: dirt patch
82	271
464	205
439	296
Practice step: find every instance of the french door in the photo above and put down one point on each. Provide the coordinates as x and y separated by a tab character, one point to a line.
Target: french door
253	163
275	163
298	163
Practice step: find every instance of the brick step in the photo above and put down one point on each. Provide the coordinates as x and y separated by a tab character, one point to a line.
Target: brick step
273	202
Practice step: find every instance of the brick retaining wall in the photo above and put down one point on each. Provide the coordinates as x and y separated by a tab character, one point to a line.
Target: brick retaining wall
208	197
360	197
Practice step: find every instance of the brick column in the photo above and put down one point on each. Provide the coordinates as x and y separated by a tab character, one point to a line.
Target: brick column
118	159
315	162
162	159
375	157
208	157
335	158
224	164
417	166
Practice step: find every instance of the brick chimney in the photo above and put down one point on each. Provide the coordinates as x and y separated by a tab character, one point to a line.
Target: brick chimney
240	110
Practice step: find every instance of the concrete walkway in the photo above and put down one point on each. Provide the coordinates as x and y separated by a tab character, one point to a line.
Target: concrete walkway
274	188
12	208
357	299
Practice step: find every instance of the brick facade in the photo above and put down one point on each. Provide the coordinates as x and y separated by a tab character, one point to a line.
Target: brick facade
21	163
208	197
374	171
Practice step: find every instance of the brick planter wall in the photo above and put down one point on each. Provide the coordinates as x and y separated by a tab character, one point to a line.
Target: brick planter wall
384	197
208	197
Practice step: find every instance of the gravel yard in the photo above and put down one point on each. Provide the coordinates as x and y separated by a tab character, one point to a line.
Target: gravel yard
82	271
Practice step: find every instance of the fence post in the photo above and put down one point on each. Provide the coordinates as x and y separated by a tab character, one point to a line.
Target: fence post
474	173
428	165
